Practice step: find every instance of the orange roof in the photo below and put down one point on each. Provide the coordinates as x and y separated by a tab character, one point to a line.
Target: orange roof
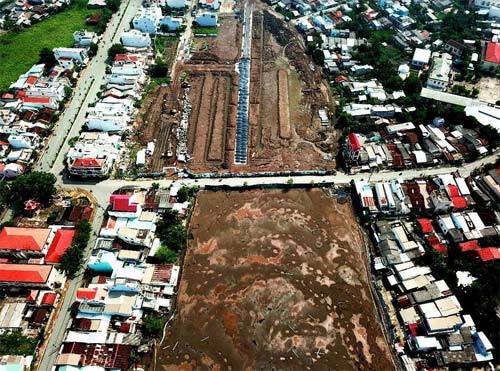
87	162
35	99
85	293
492	53
33	239
61	242
31	80
24	273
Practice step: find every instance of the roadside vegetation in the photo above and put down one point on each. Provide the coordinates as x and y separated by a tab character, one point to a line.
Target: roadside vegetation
72	260
36	185
171	231
15	343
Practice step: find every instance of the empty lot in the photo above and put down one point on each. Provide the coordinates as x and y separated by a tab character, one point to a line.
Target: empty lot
274	279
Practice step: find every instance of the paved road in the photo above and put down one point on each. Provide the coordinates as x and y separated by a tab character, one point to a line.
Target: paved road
102	189
85	93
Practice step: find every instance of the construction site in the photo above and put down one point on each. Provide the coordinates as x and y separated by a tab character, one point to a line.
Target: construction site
279	284
250	98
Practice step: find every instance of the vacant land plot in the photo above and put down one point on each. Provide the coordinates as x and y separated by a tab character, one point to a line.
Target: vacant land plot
274	280
20	50
489	89
225	47
166	48
286	93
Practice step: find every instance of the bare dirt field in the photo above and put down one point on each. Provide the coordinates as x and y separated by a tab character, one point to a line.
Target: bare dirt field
286	92
274	280
225	48
489	89
160	114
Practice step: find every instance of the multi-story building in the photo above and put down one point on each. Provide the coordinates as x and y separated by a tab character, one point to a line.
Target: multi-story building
148	19
439	75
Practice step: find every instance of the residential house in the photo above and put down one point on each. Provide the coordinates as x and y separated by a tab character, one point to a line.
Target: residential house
147	20
206	19
439	75
78	55
421	57
135	39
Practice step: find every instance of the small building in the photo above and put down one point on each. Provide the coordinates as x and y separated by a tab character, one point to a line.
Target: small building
491	58
207	19
84	37
78	55
176	4
30	276
171	23
421	57
135	39
148	19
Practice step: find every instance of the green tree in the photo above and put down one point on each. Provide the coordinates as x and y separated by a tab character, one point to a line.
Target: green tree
159	69
152	326
176	236
47	57
72	259
412	85
15	343
113	5
36	185
93	47
165	256
185	193
116	49
318	57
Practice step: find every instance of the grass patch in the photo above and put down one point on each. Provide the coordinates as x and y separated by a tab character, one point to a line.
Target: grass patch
20	50
206	30
166	47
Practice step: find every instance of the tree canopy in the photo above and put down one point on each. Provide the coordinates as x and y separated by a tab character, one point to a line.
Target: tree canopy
36	185
15	343
116	49
152	326
164	255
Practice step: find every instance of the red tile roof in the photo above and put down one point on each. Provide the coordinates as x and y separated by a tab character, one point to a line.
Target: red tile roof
425	225
24	273
469	246
86	293
489	253
87	162
35	99
440	248
122	203
125	58
453	191
49	298
354	141
32	239
61	242
459	202
31	80
492	53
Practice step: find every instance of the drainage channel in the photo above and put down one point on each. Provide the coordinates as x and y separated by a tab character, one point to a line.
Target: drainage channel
240	156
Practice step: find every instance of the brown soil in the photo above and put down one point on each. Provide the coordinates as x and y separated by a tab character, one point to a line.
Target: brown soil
285	95
274	280
160	115
225	47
